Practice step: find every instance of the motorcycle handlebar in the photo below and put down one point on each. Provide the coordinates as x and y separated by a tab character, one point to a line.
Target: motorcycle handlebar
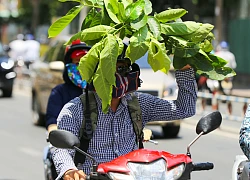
202	166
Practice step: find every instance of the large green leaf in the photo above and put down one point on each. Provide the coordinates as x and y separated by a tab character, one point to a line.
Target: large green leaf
103	88
112	9
93	18
108	58
157	57
201	61
134	10
154	26
104	77
148	7
139	22
179	28
170	15
121	12
96	32
179	62
200	34
61	23
105	19
89	62
138	45
217	61
218	73
206	46
182	48
126	2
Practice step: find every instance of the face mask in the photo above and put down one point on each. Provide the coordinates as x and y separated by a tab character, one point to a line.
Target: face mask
74	75
126	84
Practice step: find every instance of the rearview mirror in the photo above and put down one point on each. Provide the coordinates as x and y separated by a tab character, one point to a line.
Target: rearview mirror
63	139
209	122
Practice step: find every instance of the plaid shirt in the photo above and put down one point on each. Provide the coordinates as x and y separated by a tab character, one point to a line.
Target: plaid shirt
244	139
114	135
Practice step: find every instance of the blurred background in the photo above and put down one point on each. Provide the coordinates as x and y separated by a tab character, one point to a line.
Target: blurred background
231	20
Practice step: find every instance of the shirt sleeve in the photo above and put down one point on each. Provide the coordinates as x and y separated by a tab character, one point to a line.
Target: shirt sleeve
54	106
69	119
244	138
157	109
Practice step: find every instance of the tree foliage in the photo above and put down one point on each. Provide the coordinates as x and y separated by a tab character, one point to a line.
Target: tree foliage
109	22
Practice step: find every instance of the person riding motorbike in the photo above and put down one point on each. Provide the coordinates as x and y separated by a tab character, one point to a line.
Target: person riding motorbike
72	87
61	94
114	135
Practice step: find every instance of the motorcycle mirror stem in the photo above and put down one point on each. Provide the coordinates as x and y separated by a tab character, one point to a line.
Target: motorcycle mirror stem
190	144
206	124
86	154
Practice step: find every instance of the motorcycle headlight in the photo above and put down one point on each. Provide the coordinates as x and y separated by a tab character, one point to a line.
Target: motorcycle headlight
7	65
151	171
120	176
154	170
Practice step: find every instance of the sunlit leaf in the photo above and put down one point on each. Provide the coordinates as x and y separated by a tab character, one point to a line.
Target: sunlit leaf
148	7
217	61
112	9
138	45
218	73
134	10
154	26
170	15
93	18
108	58
88	63
95	32
64	21
140	22
179	28
103	88
126	2
200	34
157	57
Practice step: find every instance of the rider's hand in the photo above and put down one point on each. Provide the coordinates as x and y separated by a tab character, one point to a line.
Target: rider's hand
147	134
185	67
73	174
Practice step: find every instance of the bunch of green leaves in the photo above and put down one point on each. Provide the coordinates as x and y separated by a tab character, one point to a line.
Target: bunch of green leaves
109	22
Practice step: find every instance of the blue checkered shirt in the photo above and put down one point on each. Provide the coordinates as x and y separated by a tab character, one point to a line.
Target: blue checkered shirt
114	135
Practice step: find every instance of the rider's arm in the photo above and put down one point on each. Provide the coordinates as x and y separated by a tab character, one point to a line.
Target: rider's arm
184	106
69	119
244	138
54	106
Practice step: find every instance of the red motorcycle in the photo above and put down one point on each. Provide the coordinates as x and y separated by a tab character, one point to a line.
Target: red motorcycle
144	164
